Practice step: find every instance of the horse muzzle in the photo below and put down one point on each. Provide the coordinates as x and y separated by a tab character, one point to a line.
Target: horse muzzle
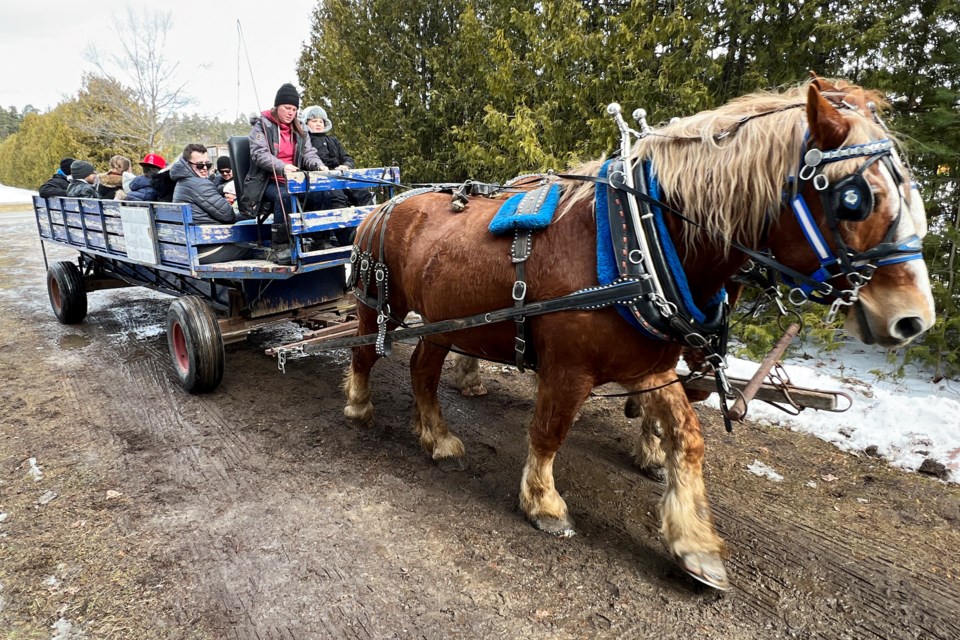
891	331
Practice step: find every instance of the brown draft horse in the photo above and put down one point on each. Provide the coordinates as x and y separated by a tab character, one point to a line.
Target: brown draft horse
445	265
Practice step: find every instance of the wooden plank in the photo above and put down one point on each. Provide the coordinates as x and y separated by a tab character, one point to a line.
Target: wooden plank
811	398
313	221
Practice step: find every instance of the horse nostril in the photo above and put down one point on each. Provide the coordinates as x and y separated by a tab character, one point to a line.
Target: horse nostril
909	327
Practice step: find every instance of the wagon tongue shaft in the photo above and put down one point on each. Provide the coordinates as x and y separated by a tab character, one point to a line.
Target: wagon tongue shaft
739	408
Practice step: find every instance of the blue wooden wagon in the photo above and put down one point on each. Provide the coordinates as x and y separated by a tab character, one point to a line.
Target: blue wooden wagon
156	245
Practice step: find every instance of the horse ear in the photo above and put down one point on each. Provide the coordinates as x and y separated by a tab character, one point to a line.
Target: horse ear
814	79
827	125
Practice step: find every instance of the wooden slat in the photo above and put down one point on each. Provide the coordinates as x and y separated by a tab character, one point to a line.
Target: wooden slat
811	398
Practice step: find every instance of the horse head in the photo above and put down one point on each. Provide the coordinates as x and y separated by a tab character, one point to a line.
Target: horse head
863	219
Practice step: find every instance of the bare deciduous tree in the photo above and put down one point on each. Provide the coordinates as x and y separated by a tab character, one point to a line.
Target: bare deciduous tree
143	68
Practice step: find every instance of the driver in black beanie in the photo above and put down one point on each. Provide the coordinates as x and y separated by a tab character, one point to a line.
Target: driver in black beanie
278	147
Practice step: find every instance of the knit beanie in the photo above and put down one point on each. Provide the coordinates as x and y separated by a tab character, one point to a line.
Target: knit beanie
223	162
287	94
316	112
65	165
80	169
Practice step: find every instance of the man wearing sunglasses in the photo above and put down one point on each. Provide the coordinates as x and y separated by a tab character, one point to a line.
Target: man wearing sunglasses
191	173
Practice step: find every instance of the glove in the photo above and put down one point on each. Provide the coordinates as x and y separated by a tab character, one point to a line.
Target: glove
344	167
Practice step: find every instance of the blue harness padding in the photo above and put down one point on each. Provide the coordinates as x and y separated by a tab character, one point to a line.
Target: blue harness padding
608	269
532	210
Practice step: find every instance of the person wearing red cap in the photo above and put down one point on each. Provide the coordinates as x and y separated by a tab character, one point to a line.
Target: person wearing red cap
155	184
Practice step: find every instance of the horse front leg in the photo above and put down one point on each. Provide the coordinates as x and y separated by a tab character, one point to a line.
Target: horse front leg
559	398
426	364
687	524
356	383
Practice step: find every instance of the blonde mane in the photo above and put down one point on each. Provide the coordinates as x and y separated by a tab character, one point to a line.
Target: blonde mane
733	184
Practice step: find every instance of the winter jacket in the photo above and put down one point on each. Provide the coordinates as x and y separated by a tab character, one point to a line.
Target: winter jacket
55	186
331	150
110	183
81	189
333	154
142	190
209	207
264	141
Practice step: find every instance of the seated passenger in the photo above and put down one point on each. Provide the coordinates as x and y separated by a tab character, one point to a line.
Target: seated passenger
191	173
224	173
334	155
84	175
146	188
278	147
112	181
332	152
57	185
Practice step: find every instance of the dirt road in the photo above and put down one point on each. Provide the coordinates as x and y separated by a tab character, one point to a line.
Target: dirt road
256	512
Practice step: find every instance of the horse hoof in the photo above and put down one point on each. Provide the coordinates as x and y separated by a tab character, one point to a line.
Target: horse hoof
562	528
361	415
657	473
707	568
452	464
474	391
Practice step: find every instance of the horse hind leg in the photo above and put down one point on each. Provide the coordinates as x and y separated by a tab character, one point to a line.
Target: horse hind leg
687	524
426	365
356	382
648	454
559	398
466	370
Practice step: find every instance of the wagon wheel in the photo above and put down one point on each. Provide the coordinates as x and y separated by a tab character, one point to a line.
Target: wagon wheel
68	295
195	344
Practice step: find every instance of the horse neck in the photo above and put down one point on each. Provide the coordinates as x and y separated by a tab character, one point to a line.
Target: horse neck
707	266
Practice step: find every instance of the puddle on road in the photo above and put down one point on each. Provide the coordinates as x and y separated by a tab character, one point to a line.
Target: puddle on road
73	341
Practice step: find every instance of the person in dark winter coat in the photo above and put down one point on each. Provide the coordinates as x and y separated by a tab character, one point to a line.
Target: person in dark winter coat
333	154
191	173
278	147
154	185
84	175
223	174
58	183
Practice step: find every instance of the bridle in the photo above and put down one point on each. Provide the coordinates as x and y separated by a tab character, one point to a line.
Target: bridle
848	199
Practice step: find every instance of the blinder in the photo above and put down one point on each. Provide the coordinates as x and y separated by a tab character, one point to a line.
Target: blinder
851	198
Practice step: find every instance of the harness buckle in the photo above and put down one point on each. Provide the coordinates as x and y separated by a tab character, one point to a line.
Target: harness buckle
820	182
807	172
519	290
695	340
797	296
519	345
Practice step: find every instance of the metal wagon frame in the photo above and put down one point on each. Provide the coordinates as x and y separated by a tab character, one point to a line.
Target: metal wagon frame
157	245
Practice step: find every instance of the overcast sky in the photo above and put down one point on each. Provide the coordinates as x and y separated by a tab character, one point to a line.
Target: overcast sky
42	45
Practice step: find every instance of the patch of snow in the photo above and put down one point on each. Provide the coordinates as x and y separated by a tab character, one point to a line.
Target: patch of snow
757	468
64	630
35	472
903	420
13	195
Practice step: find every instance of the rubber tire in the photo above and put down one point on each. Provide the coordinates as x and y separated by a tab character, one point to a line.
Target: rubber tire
68	295
196	346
